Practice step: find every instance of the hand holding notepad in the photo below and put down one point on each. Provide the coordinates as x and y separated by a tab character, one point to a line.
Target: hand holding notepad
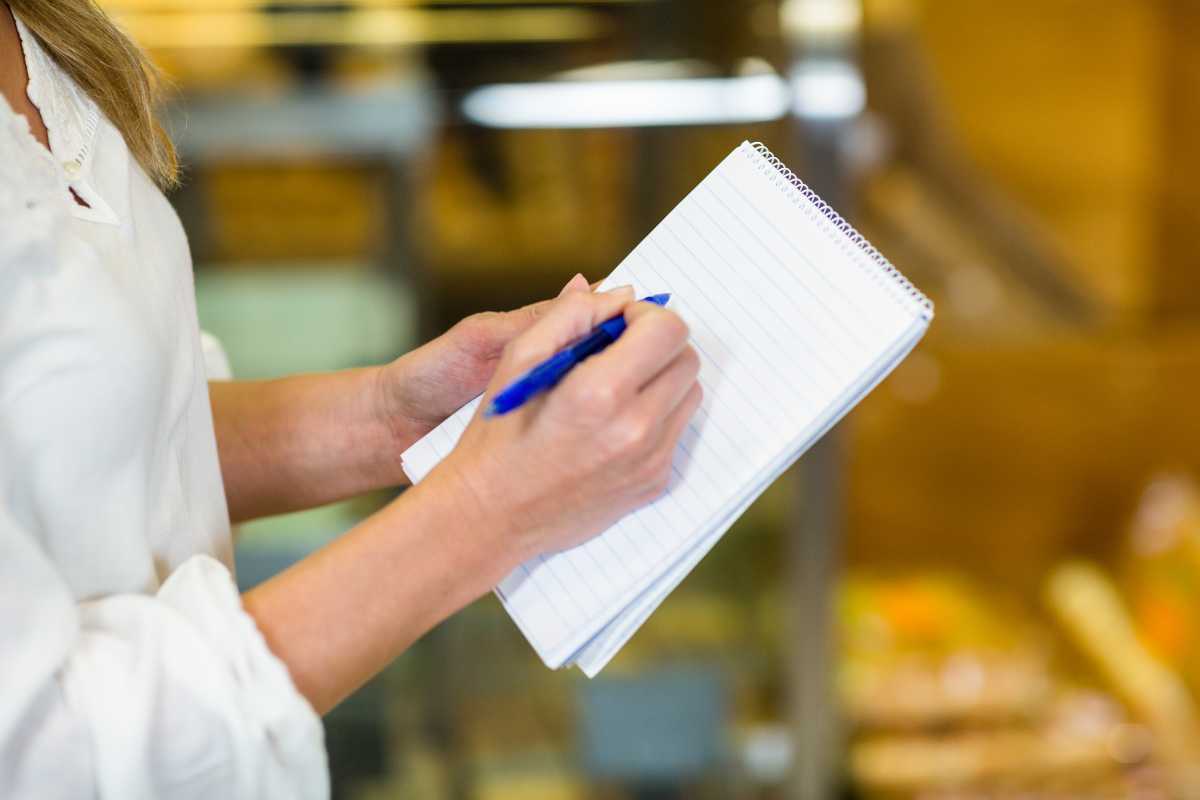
795	318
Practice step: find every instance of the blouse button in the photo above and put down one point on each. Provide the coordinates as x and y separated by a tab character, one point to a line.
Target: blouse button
71	168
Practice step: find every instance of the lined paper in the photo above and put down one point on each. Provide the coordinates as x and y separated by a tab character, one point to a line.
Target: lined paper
794	319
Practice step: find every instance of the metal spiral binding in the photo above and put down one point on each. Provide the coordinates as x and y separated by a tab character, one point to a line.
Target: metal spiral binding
852	242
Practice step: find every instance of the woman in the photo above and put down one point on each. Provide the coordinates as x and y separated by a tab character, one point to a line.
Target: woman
130	666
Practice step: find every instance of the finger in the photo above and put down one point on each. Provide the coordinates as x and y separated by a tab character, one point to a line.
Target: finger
576	284
652	339
510	324
568	318
636	310
677	422
659	460
666	390
534	311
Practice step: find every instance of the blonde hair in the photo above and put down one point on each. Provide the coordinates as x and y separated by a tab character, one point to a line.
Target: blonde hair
114	71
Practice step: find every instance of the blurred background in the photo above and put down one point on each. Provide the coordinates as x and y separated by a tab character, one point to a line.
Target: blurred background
984	584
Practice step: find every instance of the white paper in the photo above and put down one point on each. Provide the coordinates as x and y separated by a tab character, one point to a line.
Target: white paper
794	319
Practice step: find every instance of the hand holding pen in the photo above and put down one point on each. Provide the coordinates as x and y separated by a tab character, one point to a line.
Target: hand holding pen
578	457
546	375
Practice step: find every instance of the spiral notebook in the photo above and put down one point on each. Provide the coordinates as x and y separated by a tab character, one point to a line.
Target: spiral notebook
795	317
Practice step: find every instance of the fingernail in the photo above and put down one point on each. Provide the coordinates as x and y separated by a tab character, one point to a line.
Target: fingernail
627	289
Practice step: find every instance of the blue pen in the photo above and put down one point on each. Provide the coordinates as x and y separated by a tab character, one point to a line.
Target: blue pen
545	376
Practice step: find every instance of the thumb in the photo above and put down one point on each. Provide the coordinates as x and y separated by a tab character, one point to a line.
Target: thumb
568	318
576	284
519	320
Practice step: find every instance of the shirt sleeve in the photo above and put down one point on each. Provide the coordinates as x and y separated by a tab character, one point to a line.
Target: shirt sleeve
168	694
216	361
132	696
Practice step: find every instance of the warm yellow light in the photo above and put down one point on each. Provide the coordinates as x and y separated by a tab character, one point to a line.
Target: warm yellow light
376	26
202	6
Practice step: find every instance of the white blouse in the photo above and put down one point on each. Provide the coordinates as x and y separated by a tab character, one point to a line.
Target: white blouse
128	668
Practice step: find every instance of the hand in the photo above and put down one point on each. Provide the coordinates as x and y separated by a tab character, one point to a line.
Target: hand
421	389
542	478
575	460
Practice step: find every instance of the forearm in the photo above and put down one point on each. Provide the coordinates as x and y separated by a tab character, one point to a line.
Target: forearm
544	479
303	441
341	615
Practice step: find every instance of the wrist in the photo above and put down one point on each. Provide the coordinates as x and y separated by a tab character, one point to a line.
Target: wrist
492	512
396	423
469	514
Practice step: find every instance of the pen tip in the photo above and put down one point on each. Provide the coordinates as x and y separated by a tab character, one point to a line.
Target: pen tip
660	299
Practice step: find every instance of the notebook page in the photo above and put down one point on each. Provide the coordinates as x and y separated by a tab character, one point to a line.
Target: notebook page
783	318
593	656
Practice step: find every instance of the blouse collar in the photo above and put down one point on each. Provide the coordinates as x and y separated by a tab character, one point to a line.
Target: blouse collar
72	120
